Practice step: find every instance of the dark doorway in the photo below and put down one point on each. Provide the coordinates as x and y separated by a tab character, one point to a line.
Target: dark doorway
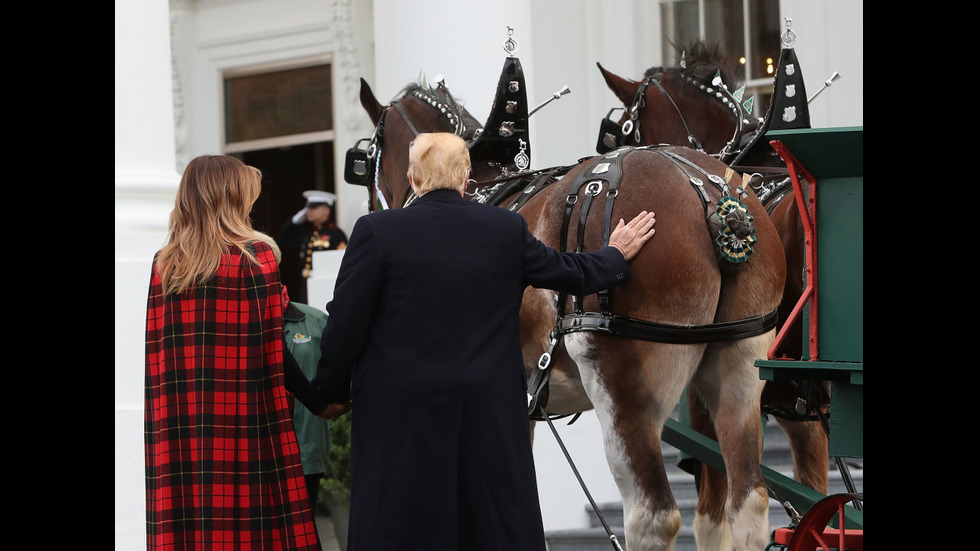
286	173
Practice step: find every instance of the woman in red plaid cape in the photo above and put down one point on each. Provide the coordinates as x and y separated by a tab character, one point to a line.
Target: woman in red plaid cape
223	466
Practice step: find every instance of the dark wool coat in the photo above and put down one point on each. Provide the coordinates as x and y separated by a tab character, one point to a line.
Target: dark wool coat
222	463
424	331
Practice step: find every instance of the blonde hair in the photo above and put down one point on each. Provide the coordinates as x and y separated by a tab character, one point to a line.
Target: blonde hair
211	211
438	160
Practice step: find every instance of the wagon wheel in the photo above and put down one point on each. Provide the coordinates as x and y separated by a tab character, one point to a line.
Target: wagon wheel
813	531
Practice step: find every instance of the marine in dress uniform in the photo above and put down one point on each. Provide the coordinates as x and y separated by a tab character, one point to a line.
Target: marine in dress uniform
308	231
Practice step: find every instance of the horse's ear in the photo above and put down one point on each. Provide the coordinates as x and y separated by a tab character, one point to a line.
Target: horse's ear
624	89
370	103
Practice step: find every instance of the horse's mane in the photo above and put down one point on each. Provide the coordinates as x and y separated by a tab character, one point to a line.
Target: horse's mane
703	60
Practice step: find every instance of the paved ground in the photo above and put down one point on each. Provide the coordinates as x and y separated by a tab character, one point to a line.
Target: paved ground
327	539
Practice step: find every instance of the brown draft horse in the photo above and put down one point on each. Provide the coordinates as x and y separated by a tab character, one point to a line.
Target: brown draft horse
675	105
677	284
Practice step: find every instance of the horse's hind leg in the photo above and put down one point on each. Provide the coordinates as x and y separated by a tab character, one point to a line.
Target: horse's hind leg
712	487
811	454
729	383
807	439
634	386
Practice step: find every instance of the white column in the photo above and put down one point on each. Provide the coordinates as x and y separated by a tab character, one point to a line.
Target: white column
145	185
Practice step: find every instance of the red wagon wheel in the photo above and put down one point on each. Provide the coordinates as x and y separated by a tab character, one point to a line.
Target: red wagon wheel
813	532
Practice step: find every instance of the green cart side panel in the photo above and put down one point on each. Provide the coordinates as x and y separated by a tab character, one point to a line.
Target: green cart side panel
840	257
835	158
826	152
846	420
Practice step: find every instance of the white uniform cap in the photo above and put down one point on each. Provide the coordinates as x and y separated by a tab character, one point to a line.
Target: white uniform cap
315	196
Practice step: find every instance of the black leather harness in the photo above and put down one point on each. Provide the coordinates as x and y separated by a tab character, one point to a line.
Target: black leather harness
606	171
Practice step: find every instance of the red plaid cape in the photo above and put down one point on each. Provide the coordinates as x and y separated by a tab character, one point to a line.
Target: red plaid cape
222	463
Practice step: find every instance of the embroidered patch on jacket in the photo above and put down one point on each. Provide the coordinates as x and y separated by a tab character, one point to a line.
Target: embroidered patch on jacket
300	338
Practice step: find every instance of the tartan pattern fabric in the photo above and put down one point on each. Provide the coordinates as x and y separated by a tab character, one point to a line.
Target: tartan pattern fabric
223	465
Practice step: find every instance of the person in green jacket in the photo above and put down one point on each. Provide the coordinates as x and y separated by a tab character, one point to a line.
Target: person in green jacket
302	327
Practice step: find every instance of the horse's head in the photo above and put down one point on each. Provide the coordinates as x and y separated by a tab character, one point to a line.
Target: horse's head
382	165
687	105
416	109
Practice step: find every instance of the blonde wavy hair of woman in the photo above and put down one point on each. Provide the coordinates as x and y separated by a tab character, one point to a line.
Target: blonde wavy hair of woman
438	160
211	212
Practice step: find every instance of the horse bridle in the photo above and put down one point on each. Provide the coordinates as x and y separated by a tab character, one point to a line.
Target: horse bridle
451	109
720	91
632	125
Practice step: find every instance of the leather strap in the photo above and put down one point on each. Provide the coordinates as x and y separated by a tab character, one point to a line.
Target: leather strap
659	332
538	183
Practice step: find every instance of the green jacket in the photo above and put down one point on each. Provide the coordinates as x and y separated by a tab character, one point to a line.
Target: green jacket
303	325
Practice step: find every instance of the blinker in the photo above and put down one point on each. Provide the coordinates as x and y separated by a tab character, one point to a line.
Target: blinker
610	135
357	164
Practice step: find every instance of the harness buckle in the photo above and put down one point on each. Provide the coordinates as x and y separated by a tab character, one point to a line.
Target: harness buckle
627	127
544	361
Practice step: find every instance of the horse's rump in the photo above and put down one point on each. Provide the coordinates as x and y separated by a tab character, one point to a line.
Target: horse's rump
676	279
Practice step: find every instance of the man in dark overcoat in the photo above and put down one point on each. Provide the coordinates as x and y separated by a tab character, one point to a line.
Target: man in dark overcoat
424	340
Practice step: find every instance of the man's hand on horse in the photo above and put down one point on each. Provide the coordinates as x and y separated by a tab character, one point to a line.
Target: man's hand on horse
629	238
334	411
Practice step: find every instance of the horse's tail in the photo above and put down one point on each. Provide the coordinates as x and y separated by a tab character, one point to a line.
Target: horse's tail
733	232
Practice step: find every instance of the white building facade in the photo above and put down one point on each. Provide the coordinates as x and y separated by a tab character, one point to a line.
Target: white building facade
172	60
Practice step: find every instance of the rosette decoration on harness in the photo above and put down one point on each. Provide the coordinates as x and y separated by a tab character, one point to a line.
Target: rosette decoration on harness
736	234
